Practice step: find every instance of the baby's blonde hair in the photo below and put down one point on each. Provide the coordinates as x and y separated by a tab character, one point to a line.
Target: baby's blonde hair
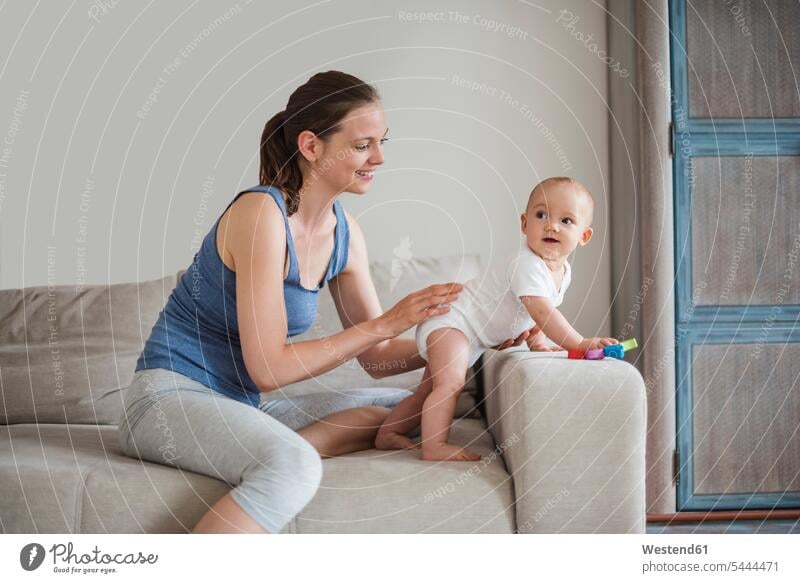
561	180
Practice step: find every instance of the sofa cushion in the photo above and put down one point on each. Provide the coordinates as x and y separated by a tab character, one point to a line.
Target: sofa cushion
75	479
65	353
378	491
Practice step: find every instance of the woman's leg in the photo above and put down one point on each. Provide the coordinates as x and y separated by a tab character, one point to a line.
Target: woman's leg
227	517
336	422
301	411
172	420
346	431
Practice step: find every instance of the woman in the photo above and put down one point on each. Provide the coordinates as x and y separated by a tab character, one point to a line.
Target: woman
220	341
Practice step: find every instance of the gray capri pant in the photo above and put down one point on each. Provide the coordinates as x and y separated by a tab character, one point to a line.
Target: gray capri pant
171	419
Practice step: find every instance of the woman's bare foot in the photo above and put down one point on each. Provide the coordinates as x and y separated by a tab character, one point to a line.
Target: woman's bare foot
447	452
392	440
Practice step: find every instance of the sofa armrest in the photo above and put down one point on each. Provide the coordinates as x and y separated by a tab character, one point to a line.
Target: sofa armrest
572	434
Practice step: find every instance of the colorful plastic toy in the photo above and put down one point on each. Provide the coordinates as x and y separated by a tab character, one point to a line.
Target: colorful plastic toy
610	351
594	354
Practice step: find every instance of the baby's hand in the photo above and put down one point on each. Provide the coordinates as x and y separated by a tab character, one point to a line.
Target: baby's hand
590	343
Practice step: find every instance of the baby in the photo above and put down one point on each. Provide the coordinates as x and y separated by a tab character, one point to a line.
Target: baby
503	303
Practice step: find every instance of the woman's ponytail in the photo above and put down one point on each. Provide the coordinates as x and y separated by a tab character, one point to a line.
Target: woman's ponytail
279	164
317	106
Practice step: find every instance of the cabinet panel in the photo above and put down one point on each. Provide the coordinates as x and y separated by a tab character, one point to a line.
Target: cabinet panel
746	418
745	221
743	58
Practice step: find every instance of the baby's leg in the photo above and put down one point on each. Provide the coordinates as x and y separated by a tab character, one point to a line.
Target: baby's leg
448	357
404	417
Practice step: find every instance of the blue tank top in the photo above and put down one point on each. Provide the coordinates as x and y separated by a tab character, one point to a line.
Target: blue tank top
197	333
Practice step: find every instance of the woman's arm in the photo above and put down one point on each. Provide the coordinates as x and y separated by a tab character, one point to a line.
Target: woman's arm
357	301
256	237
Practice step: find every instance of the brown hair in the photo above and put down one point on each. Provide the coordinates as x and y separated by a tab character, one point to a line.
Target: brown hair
317	106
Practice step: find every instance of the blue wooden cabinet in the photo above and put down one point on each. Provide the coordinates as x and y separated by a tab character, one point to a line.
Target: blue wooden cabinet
735	69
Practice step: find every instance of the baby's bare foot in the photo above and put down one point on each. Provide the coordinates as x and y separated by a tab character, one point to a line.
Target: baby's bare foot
392	440
447	452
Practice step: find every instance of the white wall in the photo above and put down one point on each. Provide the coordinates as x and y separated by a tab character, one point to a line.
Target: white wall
96	190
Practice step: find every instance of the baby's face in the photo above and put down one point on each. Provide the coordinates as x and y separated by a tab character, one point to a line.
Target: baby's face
557	221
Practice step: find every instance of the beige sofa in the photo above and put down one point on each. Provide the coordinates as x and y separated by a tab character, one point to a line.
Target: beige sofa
563	441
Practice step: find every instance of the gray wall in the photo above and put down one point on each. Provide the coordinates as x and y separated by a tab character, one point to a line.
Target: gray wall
629	288
107	181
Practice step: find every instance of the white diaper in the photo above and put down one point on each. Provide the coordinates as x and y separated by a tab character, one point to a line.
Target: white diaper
451	319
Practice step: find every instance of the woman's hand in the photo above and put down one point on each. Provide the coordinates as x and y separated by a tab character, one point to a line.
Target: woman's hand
537	341
518	340
545	348
419	306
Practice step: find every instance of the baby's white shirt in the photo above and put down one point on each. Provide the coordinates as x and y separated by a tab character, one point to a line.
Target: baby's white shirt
490	302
